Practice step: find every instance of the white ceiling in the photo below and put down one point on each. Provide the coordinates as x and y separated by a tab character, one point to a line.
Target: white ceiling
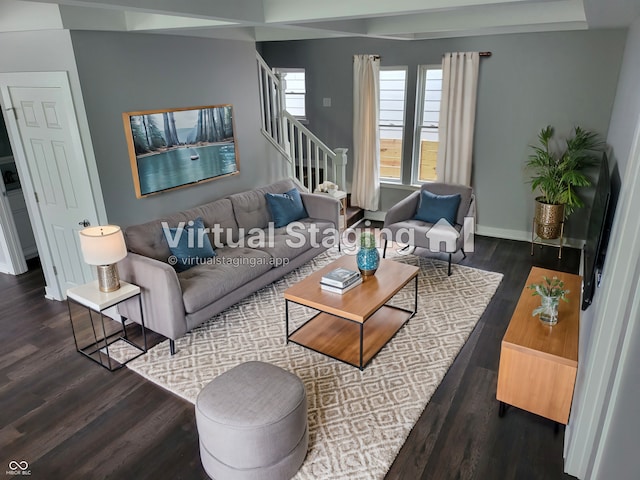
264	20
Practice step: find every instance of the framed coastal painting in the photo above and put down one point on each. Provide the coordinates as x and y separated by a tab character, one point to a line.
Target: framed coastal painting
179	147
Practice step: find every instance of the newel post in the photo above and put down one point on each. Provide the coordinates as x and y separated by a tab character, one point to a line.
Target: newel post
281	85
340	167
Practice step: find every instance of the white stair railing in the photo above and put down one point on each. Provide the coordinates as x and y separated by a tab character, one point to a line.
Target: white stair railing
310	161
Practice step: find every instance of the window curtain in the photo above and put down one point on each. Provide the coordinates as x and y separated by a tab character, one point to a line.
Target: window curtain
365	187
457	117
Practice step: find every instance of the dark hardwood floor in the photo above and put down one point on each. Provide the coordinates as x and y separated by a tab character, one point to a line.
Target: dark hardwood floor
70	418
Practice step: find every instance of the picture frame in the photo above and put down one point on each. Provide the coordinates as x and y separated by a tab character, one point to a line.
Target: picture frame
179	147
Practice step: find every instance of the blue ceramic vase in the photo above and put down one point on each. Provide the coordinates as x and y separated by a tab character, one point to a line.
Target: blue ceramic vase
368	260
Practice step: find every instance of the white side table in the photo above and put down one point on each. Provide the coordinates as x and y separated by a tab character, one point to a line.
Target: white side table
342	197
95	301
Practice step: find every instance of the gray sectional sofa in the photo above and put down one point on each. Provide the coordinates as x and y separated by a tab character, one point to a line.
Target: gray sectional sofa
174	303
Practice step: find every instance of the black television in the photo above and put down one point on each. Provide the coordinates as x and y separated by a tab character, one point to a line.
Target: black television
597	234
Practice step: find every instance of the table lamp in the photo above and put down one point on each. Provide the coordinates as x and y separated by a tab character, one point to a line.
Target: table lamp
103	246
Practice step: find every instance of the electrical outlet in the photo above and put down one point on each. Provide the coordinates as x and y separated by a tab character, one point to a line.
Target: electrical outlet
326	102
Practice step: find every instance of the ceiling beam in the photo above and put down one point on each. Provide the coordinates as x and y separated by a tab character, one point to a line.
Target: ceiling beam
137	21
297	11
86	18
269	34
235	10
479	18
20	16
556	27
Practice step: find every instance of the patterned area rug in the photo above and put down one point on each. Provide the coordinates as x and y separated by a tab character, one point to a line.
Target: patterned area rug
358	421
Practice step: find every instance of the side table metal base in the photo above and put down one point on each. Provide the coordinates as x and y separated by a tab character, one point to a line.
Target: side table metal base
98	350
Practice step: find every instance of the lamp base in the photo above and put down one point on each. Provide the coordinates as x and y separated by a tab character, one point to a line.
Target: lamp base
108	280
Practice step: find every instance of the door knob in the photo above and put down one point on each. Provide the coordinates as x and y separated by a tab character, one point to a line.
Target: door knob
84	223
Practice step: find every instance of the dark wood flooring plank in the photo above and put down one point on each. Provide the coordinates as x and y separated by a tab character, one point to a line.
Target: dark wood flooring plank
70	418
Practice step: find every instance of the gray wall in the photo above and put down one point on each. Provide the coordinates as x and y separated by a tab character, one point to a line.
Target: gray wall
121	72
626	108
559	78
51	51
618	442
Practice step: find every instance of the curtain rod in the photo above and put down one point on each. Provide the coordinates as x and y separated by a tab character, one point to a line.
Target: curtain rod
377	57
482	54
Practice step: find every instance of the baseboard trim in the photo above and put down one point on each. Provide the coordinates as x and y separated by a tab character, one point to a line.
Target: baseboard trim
520	235
505	233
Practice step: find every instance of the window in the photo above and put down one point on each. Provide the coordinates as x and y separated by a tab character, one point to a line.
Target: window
393	82
295	90
425	141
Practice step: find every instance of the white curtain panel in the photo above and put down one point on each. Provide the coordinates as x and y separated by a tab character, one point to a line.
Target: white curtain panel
365	187
457	117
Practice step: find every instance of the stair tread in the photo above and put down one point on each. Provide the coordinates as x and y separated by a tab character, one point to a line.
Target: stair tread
354	214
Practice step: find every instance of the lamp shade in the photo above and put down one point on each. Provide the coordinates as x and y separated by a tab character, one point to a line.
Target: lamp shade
102	245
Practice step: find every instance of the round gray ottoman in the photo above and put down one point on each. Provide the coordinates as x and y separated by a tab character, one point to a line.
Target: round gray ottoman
252	423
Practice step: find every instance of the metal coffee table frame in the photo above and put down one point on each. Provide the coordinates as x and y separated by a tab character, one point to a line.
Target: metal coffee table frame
361	365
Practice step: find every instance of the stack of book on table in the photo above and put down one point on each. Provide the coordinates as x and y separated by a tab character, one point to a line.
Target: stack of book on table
340	280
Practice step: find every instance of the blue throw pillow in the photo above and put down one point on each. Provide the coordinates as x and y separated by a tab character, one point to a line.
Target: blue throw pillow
434	207
285	207
189	253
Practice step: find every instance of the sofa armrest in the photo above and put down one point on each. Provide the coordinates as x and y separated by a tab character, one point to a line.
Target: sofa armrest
162	302
403	210
322	207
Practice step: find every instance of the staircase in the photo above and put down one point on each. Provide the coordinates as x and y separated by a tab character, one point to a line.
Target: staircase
309	161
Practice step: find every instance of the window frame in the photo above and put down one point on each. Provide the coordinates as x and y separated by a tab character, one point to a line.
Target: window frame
418	120
304	95
405	69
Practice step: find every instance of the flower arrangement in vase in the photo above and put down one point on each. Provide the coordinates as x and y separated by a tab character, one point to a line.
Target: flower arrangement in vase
550	291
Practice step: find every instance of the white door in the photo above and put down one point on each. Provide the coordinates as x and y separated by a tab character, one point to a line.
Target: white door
44	122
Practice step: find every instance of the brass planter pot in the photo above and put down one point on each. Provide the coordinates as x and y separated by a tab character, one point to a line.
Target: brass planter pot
548	219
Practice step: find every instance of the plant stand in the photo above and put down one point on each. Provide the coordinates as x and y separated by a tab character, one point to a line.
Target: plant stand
536	240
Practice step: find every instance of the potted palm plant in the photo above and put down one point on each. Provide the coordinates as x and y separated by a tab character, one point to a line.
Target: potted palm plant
557	175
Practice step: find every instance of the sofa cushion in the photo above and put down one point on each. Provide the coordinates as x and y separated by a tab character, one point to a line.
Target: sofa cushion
218	214
285	207
148	239
250	208
424	233
450	189
229	270
189	248
289	242
434	207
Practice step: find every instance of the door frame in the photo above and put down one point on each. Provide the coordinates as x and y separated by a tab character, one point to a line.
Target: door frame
608	354
9	240
59	80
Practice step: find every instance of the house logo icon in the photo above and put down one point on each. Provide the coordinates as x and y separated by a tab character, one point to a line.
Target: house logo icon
442	231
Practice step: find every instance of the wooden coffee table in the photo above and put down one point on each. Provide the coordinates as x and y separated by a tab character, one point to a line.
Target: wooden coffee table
352	327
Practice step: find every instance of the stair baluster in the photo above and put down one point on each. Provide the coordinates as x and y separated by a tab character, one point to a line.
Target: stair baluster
295	142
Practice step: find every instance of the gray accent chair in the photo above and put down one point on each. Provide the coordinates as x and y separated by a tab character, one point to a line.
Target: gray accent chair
435	237
252	423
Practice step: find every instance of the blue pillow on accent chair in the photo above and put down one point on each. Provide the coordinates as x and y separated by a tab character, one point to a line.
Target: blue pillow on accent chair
434	207
285	207
188	254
